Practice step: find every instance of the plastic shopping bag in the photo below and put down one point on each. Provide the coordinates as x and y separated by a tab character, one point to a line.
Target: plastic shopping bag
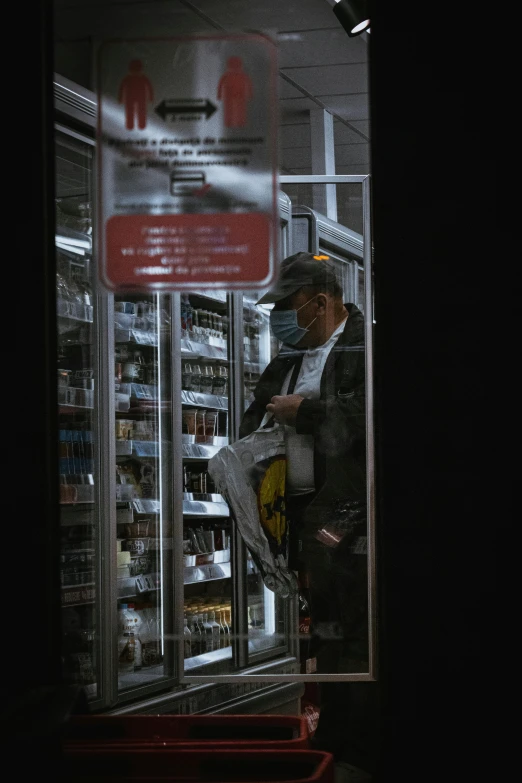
251	476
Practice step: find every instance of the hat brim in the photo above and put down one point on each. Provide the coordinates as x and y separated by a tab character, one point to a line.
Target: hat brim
279	292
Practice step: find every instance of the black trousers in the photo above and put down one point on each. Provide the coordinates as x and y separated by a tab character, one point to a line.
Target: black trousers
348	718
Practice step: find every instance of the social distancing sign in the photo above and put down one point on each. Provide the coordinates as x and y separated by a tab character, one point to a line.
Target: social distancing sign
187	185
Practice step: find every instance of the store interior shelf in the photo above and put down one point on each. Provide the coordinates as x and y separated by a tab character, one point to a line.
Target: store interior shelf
199	451
141	448
211	657
131	586
74	311
210	506
211	294
140	505
65	409
206	573
214	349
138	336
198	400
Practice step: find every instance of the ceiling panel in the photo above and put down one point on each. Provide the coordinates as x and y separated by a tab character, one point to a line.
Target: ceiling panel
320	47
347	107
295	135
350	154
348	134
301	15
330	79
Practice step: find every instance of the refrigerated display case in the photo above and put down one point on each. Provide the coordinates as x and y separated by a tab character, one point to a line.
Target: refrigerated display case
158	587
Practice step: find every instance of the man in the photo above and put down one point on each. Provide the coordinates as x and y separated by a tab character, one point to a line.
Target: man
315	386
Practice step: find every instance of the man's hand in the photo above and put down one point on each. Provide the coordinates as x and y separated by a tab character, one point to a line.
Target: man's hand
284	407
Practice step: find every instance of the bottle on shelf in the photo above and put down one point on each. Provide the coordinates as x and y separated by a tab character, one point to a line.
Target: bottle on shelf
222	629
187	639
203	633
209	638
195	639
215	629
126	652
228	620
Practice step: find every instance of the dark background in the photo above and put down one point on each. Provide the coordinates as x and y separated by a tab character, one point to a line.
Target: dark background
447	621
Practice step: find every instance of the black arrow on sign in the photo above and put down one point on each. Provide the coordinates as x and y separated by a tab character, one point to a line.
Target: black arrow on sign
185	106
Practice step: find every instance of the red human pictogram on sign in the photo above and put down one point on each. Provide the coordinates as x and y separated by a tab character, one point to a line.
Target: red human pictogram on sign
135	92
235	90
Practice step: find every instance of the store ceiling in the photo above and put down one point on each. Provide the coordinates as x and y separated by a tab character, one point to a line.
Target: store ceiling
319	65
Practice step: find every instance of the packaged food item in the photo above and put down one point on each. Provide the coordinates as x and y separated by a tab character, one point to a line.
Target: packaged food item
186	376
211	420
189	420
136	546
220	381
147	479
196	548
144	430
139	529
195	379
126	475
207	378
200	425
124	429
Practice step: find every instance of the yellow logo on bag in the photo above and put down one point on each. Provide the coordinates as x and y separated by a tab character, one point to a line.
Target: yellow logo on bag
271	499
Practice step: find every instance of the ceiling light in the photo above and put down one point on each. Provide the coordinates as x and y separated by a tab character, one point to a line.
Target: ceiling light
353	15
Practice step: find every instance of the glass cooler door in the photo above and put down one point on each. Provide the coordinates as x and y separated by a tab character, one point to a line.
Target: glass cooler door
77	387
208	598
142	433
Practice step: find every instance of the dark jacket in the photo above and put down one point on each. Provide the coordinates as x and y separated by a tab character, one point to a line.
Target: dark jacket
338	576
338	419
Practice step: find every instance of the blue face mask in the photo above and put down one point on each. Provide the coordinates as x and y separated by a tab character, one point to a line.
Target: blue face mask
285	327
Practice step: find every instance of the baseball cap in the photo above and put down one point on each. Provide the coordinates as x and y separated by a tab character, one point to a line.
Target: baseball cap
300	270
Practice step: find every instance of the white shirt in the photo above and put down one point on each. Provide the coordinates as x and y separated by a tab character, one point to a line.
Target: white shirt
300	448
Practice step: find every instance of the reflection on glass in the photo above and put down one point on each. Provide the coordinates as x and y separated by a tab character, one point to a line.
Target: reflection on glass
76	384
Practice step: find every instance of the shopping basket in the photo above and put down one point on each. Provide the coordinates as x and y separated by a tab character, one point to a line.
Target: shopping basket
269	732
209	765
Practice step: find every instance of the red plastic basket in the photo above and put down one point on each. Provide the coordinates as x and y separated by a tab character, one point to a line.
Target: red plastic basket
268	732
210	765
